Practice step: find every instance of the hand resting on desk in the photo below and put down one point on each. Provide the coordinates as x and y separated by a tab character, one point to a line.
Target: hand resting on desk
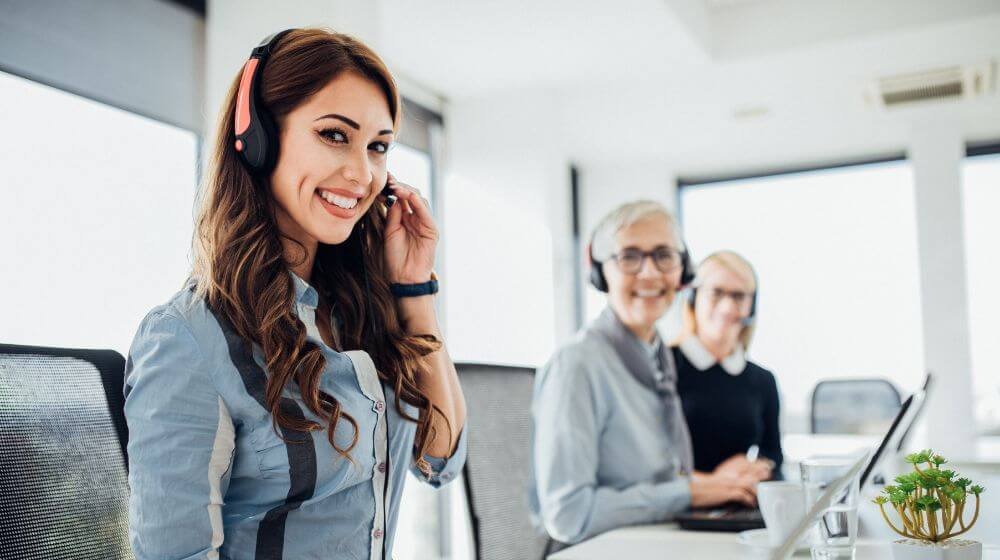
713	489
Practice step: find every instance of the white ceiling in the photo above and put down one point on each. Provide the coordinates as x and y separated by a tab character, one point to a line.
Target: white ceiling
475	46
673	73
472	47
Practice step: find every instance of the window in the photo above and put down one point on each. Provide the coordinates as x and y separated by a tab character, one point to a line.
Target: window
836	255
96	224
981	194
413	167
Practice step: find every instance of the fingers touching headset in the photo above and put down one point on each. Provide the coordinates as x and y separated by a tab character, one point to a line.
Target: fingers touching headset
413	202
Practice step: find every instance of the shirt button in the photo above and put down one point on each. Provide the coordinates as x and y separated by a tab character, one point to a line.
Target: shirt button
377	534
380	406
381	467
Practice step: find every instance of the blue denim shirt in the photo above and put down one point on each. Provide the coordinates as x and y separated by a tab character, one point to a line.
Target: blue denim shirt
211	478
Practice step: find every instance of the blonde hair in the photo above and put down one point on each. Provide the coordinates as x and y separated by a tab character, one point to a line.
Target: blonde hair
733	262
602	243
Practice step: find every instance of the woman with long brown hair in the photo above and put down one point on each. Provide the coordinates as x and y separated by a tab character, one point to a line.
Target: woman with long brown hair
275	403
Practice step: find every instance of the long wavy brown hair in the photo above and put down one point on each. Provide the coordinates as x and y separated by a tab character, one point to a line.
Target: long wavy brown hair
242	271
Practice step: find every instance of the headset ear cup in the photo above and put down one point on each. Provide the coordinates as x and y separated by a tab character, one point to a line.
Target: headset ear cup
269	144
597	278
261	140
256	131
687	271
691	296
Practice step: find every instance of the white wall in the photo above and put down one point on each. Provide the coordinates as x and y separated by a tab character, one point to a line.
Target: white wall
506	190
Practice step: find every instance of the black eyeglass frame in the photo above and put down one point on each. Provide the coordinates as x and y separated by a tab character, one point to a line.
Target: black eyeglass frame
676	256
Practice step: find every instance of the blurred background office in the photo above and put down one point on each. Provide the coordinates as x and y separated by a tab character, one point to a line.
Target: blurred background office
850	150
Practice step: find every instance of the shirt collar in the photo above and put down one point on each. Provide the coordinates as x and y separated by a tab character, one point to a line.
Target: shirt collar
305	294
654	347
701	358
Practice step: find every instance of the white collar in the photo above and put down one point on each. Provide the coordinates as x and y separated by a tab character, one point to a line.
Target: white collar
701	358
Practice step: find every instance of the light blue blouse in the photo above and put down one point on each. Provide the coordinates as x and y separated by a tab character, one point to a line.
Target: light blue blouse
211	478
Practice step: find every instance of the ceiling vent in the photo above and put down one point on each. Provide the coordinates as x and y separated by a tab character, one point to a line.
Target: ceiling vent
948	83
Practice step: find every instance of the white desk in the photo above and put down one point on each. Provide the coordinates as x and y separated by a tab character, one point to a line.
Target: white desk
667	542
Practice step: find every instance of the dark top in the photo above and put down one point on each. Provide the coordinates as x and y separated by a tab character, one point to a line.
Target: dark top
726	414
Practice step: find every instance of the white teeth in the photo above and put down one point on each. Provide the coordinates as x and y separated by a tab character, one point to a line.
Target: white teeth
341	201
648	293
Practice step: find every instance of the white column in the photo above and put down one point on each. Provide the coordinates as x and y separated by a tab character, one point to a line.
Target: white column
936	152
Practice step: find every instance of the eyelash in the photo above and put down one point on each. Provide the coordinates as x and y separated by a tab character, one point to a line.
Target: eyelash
330	134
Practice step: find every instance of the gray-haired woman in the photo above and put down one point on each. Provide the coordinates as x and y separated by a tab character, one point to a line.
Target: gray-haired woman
610	445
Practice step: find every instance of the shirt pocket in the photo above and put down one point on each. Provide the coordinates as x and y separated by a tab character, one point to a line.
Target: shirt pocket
270	452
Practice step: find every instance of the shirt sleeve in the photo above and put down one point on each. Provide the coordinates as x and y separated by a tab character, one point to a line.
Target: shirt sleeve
181	442
771	442
443	470
567	425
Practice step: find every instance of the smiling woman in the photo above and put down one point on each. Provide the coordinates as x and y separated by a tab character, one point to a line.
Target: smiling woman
610	443
288	388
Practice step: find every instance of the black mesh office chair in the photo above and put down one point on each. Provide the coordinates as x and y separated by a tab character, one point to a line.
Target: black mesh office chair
63	478
854	406
499	455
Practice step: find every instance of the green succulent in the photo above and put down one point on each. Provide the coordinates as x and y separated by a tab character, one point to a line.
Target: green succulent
930	501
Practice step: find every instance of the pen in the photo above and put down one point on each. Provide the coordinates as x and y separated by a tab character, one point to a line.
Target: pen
752	453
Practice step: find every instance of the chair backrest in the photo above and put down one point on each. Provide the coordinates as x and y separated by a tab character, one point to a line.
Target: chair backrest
853	406
63	477
499	455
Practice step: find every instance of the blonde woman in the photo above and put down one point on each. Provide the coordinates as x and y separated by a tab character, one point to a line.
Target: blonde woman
730	403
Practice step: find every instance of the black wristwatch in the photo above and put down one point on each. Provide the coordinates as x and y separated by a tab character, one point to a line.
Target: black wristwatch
415	290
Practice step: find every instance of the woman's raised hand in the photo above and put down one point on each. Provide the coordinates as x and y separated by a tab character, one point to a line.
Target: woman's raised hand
411	236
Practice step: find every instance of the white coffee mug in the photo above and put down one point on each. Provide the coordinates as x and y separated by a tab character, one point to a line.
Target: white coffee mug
782	504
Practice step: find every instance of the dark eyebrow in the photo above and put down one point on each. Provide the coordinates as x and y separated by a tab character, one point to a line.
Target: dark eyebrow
351	123
346	120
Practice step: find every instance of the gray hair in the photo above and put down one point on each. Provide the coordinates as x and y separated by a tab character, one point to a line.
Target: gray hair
602	244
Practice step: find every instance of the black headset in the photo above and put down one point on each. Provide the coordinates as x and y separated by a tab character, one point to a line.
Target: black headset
256	132
599	281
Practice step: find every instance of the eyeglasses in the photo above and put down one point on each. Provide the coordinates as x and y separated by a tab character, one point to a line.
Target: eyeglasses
738	297
630	261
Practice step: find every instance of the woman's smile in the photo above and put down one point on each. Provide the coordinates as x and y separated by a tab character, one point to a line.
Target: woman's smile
338	202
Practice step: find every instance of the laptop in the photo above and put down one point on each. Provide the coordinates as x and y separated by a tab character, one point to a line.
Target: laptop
734	518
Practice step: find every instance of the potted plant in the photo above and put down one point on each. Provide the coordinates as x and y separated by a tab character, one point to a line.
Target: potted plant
931	508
